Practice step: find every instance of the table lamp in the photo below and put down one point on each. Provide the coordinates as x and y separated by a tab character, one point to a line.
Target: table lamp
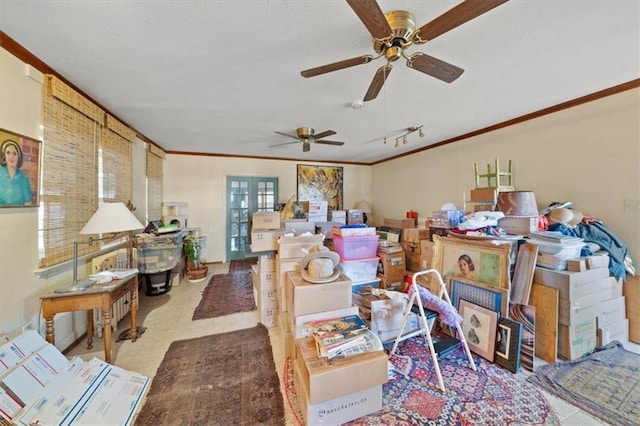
110	218
365	208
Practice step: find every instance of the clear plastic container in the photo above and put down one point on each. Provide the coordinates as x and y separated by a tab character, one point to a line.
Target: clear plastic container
356	248
360	270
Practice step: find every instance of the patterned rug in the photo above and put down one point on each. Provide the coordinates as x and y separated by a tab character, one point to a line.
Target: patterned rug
222	379
489	396
605	383
228	293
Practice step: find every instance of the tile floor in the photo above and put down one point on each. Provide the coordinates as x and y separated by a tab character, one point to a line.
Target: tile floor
167	318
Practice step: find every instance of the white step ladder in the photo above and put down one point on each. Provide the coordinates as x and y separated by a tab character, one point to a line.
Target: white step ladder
424	328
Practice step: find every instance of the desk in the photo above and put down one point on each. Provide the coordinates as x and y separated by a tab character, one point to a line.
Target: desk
100	296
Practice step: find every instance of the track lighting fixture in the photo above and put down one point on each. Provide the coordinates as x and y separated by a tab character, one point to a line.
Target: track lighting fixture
406	133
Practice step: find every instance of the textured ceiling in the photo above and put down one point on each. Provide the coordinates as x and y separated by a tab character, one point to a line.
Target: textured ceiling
220	77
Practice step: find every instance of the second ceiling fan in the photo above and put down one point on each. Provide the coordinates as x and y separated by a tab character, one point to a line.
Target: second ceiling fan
307	136
394	32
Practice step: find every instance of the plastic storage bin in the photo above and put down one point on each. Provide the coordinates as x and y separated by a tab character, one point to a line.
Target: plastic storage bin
360	270
355	248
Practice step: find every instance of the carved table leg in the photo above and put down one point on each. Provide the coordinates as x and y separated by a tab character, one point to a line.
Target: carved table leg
89	328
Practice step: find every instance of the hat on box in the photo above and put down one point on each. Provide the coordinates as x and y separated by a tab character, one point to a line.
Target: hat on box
567	217
320	265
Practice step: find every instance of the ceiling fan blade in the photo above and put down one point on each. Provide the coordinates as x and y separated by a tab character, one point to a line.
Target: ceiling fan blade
434	67
284	143
323	69
372	17
286	134
324	134
306	146
330	142
454	17
378	81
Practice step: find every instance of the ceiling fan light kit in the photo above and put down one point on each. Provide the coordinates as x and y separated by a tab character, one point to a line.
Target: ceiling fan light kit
307	136
396	31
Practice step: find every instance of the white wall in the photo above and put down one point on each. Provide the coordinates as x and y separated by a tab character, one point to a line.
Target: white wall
589	154
200	181
21	282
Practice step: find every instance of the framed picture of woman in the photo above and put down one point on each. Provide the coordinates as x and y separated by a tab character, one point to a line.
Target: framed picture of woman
19	170
486	262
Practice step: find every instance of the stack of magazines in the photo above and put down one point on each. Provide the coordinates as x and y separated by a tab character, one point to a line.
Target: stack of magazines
343	337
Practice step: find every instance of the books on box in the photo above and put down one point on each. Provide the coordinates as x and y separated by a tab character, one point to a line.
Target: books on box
343	336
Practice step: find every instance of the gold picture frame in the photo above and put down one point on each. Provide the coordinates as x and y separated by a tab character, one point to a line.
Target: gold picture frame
487	261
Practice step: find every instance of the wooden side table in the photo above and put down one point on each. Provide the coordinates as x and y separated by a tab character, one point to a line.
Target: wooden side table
99	296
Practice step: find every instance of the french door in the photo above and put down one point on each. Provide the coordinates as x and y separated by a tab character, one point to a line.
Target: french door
245	196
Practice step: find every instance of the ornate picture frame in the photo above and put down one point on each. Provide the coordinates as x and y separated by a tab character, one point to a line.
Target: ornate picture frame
321	183
487	262
20	158
508	336
479	328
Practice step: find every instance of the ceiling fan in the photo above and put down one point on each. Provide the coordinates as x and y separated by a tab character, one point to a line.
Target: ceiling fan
307	136
395	31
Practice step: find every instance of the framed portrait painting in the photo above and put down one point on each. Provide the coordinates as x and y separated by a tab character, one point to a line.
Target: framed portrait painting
321	183
479	328
19	170
486	262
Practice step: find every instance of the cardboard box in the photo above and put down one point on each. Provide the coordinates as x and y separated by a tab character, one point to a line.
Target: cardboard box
298	246
518	225
415	235
267	299
319	218
611	311
299	322
484	195
269	317
414	262
576	340
399	223
571	285
338	410
310	298
266	263
266	281
610	288
617	331
265	240
282	267
265	221
289	345
326	380
443	232
392	266
316	207
631	291
396	284
578	309
412	247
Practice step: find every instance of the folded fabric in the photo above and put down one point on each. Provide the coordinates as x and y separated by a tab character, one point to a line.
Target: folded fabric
477	220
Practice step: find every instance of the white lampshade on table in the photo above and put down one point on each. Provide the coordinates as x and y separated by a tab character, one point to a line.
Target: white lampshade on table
110	218
365	208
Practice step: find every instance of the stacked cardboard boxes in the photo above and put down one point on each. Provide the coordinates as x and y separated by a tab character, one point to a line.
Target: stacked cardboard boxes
341	390
412	239
392	269
590	300
265	289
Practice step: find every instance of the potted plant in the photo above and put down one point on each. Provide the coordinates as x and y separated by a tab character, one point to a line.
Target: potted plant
192	249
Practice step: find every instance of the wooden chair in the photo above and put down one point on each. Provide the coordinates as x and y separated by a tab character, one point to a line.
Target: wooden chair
495	178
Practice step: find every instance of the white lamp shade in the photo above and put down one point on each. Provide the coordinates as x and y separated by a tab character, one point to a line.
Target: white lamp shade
111	217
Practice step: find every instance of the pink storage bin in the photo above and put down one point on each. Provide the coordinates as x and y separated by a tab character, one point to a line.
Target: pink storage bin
355	248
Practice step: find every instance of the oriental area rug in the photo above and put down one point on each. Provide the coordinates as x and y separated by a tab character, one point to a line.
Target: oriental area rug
489	396
222	379
605	383
228	293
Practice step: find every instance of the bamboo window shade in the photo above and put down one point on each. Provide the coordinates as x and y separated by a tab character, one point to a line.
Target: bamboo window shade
115	149
155	158
87	158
